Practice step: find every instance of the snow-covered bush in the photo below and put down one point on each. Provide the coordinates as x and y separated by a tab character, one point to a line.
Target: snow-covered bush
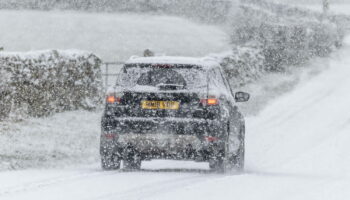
242	64
284	37
287	39
5	91
42	83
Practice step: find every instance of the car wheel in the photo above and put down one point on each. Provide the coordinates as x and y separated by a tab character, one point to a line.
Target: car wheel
239	160
110	162
216	163
230	157
217	158
132	159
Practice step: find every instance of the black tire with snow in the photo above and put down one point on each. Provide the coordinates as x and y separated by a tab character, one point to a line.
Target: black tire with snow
220	162
131	159
110	162
217	162
239	158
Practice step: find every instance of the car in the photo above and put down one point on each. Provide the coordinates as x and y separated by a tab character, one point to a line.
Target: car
172	108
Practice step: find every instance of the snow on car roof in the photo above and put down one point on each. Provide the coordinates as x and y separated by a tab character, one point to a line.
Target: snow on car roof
207	62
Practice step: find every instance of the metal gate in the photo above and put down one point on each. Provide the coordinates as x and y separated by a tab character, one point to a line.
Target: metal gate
110	71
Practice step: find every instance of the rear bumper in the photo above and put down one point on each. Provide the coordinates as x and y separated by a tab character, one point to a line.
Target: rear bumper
162	147
163	137
177	126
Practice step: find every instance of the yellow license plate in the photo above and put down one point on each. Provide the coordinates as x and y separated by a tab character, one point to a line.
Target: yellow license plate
169	105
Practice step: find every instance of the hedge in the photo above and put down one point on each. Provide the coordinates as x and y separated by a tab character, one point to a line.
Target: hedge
42	83
282	37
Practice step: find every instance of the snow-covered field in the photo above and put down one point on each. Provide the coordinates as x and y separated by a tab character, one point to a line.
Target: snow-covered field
114	37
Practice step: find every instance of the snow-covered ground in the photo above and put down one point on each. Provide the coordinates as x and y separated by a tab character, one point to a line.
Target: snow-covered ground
114	37
56	141
297	148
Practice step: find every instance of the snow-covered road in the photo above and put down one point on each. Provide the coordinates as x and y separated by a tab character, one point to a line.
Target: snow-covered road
297	148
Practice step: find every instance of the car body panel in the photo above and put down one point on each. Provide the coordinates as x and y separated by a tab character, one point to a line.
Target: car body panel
194	130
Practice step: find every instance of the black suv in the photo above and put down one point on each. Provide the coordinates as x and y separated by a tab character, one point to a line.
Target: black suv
172	108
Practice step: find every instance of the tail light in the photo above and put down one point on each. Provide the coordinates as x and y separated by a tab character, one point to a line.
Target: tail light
210	101
113	98
211	139
109	135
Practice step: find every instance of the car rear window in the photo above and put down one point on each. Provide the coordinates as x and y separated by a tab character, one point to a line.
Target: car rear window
183	76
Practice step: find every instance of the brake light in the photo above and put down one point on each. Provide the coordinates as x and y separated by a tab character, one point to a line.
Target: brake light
113	99
110	136
210	101
211	139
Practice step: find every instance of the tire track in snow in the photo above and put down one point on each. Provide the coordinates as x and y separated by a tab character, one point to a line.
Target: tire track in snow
41	184
147	190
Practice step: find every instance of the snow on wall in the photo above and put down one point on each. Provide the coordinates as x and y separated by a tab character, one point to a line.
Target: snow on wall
45	82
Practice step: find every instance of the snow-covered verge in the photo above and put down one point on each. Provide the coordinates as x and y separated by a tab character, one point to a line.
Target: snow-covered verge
311	124
270	86
55	141
45	82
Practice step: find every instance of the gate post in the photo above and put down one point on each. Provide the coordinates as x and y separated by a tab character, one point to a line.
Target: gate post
106	80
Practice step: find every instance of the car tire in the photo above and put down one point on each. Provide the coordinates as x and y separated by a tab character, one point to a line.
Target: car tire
217	158
110	162
220	162
216	163
236	161
239	158
131	159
